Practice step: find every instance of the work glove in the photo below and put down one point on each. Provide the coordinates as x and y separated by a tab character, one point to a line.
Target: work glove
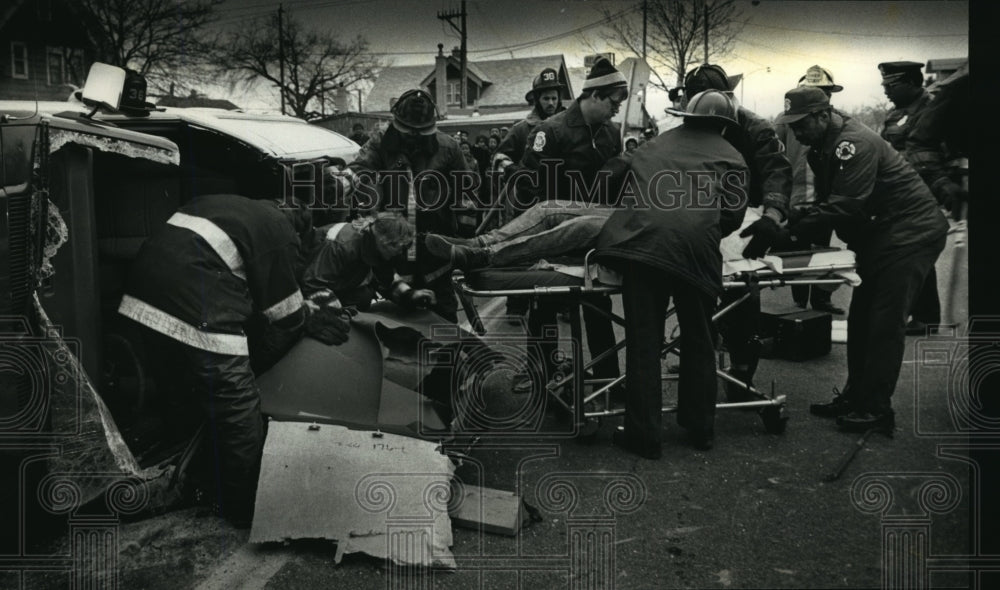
328	325
766	233
417	299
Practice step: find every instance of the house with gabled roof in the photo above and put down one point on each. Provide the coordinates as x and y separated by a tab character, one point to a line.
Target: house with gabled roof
494	86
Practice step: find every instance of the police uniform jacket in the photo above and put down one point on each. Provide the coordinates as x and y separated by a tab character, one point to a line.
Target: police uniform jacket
871	196
943	130
580	150
218	261
386	180
672	225
899	122
345	263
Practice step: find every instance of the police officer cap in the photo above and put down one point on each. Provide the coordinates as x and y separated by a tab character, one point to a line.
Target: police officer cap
801	102
706	77
415	112
820	78
897	70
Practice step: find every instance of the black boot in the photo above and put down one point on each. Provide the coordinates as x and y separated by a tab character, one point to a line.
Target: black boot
461	257
838	406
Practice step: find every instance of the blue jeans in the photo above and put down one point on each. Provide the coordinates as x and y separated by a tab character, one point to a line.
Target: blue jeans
548	229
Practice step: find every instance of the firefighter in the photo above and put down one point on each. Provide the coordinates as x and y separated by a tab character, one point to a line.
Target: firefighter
221	264
672	252
770	187
352	261
878	204
545	97
416	170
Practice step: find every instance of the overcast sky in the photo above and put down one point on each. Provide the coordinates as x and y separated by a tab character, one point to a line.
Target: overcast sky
847	38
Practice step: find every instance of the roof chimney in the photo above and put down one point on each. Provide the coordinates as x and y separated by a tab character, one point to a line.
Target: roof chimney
441	80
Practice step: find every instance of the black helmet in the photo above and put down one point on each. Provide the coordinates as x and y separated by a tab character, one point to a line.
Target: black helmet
706	77
548	79
712	105
415	112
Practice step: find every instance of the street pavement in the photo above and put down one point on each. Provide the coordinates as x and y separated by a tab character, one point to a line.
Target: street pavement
754	512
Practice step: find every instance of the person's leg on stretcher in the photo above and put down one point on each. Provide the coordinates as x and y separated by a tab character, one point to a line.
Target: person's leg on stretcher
548	229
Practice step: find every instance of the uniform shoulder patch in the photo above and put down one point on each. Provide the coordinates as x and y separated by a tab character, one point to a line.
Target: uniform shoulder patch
845	150
539	144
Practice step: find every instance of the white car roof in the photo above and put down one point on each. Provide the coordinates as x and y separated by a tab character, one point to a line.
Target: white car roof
280	136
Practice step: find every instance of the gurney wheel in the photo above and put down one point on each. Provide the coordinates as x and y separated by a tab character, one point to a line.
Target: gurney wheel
774	419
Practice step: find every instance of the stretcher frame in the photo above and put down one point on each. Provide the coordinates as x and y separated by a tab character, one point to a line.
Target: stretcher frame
769	405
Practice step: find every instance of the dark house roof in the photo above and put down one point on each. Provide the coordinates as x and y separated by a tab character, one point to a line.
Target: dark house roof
195	101
504	81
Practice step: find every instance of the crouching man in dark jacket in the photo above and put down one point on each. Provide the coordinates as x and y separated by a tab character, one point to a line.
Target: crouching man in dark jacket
877	203
223	267
691	187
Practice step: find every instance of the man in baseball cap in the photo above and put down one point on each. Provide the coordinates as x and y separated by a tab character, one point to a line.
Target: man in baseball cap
877	203
803	194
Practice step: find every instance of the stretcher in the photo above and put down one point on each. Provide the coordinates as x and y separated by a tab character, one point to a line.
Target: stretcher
589	399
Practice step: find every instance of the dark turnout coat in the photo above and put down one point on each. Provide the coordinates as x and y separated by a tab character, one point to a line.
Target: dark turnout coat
691	190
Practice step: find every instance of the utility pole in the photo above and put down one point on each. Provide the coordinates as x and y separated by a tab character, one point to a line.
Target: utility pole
644	6
706	31
460	28
644	13
281	54
359	100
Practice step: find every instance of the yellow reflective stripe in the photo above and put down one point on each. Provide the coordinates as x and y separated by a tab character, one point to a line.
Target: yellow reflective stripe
216	238
285	307
334	231
168	325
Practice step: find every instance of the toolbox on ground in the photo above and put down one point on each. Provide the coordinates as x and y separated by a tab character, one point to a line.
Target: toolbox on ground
796	336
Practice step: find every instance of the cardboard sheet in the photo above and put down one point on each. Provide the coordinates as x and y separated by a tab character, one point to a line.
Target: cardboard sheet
385	496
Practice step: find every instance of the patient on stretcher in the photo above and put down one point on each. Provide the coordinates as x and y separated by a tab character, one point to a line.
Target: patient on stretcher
548	229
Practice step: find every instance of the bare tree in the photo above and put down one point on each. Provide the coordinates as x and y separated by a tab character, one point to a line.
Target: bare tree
161	39
675	35
317	65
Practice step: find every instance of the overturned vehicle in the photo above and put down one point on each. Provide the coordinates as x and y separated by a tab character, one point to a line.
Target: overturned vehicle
82	186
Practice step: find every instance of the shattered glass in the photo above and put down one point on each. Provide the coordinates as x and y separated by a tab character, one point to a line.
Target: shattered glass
56	234
61	137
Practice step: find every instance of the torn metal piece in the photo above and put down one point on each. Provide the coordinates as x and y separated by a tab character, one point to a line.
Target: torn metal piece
386	497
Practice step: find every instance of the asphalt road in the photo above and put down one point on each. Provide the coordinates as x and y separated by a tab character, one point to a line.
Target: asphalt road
754	512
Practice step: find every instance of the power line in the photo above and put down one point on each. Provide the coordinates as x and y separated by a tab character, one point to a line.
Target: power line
556	37
855	34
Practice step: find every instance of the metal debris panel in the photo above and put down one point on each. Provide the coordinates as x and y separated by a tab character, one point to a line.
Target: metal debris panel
381	494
